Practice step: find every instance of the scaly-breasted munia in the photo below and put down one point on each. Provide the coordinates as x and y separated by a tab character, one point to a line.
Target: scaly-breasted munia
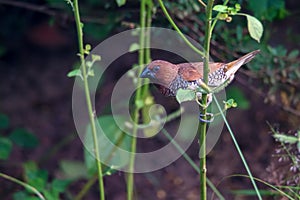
171	77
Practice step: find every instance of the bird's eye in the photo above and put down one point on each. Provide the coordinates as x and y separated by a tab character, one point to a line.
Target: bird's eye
156	68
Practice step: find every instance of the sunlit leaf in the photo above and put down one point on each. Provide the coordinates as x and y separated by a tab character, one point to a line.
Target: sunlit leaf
255	27
121	2
220	8
185	95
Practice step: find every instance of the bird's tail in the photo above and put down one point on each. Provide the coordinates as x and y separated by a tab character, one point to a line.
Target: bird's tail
233	66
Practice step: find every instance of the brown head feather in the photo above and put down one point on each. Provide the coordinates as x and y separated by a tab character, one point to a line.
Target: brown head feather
166	72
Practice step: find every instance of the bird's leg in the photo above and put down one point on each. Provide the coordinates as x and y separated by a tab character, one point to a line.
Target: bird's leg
210	116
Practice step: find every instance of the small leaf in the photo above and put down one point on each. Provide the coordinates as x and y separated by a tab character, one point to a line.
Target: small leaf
230	103
96	57
73	169
74	72
185	95
237	7
293	54
24	138
5	148
133	47
89	64
220	8
255	27
91	72
285	138
60	185
238	95
121	2
88	47
4	121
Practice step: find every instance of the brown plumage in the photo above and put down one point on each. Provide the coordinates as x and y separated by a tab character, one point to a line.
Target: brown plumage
171	77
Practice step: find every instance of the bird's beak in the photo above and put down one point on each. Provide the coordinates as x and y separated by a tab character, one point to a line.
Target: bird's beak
147	73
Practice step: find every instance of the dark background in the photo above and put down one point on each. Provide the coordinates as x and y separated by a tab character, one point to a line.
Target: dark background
38	46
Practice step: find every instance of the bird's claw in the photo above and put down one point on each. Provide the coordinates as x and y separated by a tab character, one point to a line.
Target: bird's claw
209	117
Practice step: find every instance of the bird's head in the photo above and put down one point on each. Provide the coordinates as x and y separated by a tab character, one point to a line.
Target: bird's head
161	72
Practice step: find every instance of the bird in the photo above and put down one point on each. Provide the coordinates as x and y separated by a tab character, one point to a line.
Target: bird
171	77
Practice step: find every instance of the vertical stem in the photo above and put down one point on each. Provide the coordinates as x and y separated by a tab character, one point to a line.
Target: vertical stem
88	98
130	177
203	125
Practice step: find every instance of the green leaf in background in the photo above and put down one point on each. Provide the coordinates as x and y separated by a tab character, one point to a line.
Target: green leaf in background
24	138
73	170
5	148
185	95
59	185
255	27
35	177
75	72
133	47
220	8
239	97
113	143
121	2
23	195
4	121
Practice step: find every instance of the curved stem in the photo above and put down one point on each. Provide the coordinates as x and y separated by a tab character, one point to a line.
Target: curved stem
178	30
27	186
238	149
88	98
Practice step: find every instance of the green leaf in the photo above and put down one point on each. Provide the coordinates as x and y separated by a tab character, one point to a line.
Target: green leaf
88	47
5	148
112	141
59	185
133	47
220	8
185	95
286	138
121	2
24	138
230	103
255	27
238	95
4	121
293	54
35	177
96	57
74	72
73	169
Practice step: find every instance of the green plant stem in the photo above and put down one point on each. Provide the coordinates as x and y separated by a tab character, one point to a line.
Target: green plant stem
178	30
86	188
138	97
238	149
203	125
192	163
217	17
27	186
88	98
266	183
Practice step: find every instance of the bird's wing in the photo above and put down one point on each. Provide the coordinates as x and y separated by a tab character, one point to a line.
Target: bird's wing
194	71
189	72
